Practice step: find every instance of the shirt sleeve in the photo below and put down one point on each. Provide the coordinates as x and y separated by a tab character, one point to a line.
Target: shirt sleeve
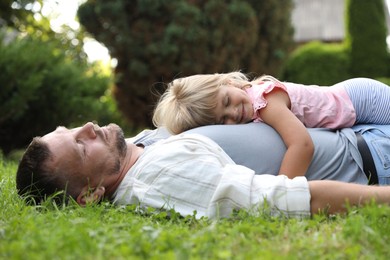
257	94
240	188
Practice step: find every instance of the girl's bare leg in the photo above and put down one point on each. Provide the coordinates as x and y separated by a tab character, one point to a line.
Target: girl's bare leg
332	196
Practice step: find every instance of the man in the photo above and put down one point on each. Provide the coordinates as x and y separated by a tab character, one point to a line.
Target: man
339	155
186	172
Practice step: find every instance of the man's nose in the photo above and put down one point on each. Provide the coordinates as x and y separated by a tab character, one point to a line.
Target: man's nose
87	131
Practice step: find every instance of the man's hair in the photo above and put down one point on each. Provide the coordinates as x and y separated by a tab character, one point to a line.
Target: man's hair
34	180
189	102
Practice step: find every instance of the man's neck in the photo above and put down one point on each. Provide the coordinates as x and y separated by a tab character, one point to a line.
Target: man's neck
132	155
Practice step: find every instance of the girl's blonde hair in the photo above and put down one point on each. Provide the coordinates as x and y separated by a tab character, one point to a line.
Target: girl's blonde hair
189	102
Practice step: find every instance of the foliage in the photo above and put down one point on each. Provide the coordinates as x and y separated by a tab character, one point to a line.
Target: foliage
366	38
318	63
106	231
363	53
25	17
14	13
41	89
47	82
156	41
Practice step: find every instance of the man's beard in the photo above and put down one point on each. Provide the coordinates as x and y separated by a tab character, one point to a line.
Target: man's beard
121	148
121	143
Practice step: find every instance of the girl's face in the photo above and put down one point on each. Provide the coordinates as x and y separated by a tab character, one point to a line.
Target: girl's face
233	106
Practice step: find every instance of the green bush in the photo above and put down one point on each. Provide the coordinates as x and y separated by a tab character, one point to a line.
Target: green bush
366	34
41	89
363	53
317	63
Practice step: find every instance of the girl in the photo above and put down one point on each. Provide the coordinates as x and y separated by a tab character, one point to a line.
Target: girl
287	107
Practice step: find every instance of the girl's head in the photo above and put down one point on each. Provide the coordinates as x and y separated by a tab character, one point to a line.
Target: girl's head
191	101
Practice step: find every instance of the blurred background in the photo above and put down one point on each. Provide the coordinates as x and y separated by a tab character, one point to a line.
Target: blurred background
72	61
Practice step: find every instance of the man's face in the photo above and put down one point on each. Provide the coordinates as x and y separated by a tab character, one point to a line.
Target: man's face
87	154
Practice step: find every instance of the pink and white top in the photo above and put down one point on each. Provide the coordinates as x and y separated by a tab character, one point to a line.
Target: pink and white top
313	105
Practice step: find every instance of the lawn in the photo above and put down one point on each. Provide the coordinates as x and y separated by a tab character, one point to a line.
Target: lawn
106	231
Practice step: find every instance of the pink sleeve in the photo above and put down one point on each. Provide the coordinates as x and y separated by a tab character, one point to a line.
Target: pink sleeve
257	93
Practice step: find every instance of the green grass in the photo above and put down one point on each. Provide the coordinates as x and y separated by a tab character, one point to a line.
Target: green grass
109	232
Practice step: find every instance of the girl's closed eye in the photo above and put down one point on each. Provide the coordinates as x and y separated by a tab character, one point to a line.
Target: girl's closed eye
227	101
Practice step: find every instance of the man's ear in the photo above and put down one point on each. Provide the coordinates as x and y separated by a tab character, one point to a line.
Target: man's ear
88	195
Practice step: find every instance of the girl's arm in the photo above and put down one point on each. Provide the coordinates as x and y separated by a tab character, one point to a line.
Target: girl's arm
299	144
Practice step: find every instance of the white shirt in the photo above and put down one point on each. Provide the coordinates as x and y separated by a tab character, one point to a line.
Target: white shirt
190	173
